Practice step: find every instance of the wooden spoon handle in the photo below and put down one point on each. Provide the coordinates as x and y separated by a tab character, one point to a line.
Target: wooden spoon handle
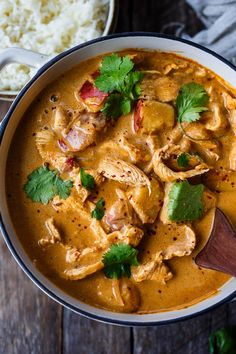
220	251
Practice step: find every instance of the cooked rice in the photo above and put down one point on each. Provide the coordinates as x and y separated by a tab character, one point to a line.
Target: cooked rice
47	27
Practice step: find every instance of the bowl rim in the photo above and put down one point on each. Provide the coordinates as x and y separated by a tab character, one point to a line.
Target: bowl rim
7	239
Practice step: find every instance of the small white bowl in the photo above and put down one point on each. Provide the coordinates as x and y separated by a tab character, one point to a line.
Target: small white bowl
49	72
9	95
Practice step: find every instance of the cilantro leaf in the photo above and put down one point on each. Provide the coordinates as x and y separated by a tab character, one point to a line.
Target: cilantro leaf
99	211
118	77
87	180
43	184
116	105
191	101
118	259
183	160
131	87
63	188
223	341
113	72
185	202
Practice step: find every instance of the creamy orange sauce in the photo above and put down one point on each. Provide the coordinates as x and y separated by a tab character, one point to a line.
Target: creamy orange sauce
189	283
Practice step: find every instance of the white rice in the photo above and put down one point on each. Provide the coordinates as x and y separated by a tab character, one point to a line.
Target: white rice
48	27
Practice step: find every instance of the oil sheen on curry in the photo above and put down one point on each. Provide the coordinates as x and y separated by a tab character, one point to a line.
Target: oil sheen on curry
114	174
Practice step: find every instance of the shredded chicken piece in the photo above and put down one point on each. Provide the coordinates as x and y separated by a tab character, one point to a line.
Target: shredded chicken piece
175	134
183	247
135	154
164	89
208	154
153	143
230	105
146	203
71	203
99	233
120	293
169	67
46	144
124	172
168	175
197	132
120	213
83	193
216	120
130	235
152	270
54	235
61	120
172	66
229	101
209	200
72	254
129	294
83	271
185	144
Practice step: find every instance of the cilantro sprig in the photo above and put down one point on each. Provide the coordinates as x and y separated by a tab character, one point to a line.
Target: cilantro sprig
118	260
118	77
185	202
99	210
44	184
191	101
87	180
183	159
223	341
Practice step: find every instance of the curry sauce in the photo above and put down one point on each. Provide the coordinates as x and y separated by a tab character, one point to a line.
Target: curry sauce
133	160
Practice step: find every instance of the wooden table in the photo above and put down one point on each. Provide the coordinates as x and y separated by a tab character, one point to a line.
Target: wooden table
31	323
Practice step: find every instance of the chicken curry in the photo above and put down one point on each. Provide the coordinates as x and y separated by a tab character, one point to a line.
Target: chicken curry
114	174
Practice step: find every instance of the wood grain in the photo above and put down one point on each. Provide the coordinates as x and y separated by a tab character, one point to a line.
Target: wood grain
190	336
31	323
93	337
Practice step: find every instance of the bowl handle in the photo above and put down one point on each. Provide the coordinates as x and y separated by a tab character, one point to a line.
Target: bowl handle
22	56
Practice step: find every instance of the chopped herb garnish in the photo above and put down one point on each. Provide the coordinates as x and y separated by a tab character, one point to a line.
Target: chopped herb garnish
223	341
185	202
191	101
118	260
183	160
87	180
43	184
99	211
116	105
118	77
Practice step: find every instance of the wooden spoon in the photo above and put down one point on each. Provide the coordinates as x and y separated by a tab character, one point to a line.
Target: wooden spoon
220	251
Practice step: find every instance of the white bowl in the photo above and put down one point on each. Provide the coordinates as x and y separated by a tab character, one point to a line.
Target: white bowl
47	73
110	24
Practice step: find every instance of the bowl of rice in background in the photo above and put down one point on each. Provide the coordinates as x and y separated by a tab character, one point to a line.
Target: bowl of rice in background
48	27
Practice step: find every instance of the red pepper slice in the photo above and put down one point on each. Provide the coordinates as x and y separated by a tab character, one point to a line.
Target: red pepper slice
88	90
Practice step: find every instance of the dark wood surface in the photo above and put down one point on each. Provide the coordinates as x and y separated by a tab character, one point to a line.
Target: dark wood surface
31	323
